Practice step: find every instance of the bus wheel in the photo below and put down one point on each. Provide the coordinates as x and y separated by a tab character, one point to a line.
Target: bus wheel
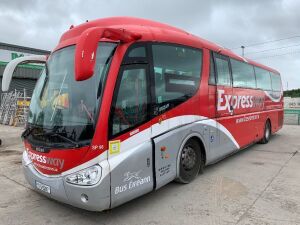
267	133
190	162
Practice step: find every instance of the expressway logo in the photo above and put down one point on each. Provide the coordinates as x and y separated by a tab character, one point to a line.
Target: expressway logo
55	162
238	101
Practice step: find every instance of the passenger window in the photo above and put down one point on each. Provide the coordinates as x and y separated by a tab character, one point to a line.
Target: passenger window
212	76
223	71
177	74
263	79
130	106
276	82
242	74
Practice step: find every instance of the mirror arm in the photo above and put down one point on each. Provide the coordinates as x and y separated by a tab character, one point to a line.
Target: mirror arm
12	65
87	43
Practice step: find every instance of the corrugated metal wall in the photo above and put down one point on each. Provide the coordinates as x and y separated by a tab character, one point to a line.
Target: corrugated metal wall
19	84
23	78
22	72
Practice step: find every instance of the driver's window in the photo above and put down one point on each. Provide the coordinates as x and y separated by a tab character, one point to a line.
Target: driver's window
130	105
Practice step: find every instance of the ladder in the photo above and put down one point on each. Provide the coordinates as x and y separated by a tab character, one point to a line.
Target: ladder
11	110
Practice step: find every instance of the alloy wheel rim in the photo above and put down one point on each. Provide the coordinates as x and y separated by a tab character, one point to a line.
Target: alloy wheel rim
268	132
188	158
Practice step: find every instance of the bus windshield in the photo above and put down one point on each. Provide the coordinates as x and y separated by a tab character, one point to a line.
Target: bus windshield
65	107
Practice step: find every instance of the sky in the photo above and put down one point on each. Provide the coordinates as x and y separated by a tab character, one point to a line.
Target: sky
269	29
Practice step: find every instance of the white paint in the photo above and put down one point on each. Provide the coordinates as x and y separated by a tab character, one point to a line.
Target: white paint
174	122
219	126
11	66
132	144
272	98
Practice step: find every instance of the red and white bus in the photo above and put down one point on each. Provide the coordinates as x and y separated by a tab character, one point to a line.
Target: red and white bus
127	105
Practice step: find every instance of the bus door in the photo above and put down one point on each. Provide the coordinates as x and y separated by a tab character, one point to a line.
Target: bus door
130	146
175	78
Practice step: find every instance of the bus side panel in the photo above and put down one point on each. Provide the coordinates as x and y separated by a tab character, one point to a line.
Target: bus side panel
280	118
212	101
276	118
167	148
207	93
277	106
274	107
217	141
247	104
131	173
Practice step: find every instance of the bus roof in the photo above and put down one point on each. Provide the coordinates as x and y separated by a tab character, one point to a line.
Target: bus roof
151	30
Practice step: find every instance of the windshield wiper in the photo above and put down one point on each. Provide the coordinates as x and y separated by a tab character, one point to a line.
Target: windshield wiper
27	132
51	134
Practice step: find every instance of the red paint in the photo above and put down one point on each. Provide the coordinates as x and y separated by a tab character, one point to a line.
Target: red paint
86	48
70	157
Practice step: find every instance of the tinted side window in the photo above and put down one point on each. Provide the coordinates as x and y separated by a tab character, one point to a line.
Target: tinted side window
137	52
212	76
276	82
130	107
177	74
242	74
263	79
223	71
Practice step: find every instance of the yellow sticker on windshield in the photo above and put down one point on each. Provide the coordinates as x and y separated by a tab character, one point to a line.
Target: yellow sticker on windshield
114	147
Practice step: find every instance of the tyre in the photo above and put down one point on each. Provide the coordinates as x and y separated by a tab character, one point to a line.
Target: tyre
267	133
191	162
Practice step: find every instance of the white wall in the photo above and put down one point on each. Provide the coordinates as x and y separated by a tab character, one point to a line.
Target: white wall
291	103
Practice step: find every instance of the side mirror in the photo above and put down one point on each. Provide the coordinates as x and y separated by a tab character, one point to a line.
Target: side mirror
12	65
87	44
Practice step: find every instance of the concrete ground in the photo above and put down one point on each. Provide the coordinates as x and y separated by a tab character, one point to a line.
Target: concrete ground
259	185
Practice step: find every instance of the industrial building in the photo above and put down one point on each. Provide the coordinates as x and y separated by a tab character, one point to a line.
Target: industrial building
25	75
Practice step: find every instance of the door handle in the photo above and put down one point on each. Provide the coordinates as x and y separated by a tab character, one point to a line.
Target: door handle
231	110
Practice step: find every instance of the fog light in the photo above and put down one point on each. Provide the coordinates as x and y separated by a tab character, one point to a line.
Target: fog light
86	177
84	198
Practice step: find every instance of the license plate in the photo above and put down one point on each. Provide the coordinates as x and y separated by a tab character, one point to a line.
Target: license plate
42	187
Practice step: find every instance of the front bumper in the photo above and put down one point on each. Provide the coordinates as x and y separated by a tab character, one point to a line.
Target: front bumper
98	194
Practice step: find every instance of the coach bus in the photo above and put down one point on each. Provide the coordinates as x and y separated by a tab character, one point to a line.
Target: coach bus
126	105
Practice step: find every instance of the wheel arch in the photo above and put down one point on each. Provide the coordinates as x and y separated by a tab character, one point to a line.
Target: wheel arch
269	120
203	148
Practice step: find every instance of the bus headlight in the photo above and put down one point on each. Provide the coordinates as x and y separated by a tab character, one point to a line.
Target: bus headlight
86	177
